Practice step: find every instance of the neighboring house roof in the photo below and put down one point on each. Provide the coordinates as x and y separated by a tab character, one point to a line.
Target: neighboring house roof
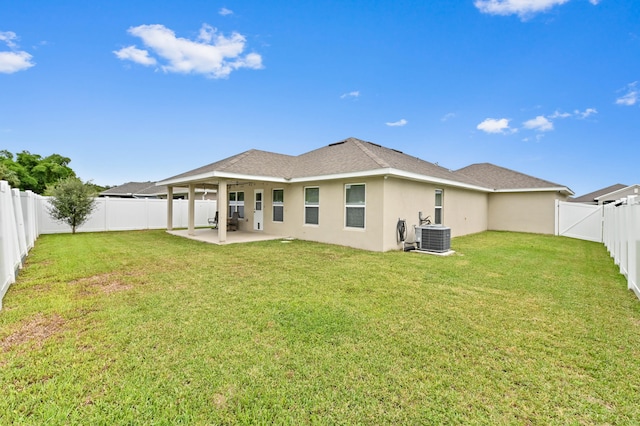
501	179
354	157
592	197
620	193
141	190
131	189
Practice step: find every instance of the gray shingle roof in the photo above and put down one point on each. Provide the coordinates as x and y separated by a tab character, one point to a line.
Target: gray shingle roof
354	155
496	177
253	162
133	188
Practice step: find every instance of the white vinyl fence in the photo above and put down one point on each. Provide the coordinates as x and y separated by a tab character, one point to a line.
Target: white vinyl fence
129	214
622	238
18	232
577	220
617	225
24	216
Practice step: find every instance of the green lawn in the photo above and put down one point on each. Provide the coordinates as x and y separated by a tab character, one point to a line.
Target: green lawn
147	328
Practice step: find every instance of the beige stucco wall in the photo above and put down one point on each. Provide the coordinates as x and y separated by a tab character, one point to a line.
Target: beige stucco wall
331	228
523	211
389	199
464	211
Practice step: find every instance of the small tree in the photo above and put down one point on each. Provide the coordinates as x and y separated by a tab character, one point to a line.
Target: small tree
72	202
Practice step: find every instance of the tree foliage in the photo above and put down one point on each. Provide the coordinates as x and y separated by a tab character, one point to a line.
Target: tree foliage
33	172
71	202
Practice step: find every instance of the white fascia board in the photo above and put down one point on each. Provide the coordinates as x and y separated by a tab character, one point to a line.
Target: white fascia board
551	189
390	172
431	179
209	176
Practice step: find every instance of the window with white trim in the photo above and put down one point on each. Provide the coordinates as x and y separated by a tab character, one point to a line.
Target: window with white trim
312	205
236	203
437	216
278	205
355	206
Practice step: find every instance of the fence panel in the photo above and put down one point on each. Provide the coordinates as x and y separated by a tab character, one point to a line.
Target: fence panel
582	221
19	218
10	254
633	274
127	214
29	204
622	238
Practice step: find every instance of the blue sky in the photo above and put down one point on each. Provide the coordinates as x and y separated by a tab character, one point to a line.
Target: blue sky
136	91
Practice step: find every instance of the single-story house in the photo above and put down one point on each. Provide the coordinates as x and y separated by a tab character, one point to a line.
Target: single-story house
607	195
354	193
151	190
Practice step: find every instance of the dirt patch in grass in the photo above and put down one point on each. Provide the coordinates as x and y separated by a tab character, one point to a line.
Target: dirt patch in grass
110	282
36	330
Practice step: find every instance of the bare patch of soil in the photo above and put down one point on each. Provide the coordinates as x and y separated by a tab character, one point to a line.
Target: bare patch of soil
108	283
37	330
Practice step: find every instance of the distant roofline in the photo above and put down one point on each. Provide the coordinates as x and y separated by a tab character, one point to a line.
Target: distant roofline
618	190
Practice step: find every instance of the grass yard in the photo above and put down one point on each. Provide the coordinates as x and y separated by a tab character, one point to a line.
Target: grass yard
147	328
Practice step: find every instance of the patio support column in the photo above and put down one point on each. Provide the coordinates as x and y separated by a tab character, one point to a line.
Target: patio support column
169	208
192	209
222	211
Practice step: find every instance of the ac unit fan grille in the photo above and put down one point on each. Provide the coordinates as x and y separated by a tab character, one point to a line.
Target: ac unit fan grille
434	238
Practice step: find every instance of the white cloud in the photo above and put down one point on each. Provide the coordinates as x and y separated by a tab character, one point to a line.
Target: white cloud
492	125
540	123
136	55
576	113
212	54
448	116
631	97
354	94
399	123
558	114
224	11
594	2
536	138
11	62
14	60
522	8
586	113
7	37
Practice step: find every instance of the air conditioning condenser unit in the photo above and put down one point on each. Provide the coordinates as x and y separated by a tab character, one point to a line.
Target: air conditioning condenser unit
433	238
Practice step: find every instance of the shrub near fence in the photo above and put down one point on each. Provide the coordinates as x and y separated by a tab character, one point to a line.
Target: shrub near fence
621	234
24	216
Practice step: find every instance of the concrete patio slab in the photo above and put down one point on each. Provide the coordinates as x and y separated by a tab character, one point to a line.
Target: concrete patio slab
208	235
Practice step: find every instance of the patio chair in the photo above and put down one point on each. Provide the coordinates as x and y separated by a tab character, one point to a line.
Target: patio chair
213	222
232	222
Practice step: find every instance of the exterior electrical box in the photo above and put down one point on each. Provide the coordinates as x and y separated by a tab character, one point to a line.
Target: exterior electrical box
434	238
